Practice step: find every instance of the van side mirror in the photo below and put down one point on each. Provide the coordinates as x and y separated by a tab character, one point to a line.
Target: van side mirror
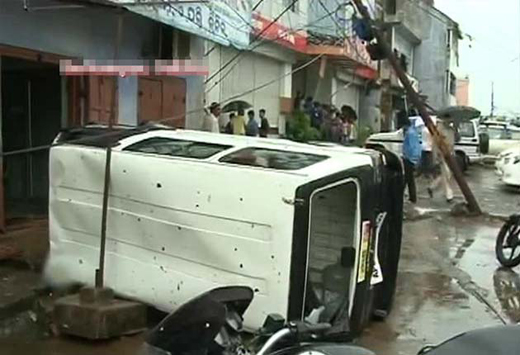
348	257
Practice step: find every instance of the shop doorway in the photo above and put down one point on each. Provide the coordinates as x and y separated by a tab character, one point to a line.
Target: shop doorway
31	117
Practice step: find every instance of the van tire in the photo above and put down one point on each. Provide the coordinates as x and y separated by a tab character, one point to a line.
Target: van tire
461	161
484	143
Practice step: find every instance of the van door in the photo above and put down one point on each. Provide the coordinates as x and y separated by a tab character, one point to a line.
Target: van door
469	140
333	232
333	249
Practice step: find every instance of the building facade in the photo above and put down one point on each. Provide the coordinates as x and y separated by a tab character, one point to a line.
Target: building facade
437	58
261	75
425	41
37	100
462	96
345	73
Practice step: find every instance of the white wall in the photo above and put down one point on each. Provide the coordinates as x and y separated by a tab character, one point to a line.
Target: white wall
250	71
195	86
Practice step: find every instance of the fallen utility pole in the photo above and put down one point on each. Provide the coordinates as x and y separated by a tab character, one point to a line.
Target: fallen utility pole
100	272
421	107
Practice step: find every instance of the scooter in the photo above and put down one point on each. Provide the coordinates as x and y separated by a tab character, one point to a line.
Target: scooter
211	324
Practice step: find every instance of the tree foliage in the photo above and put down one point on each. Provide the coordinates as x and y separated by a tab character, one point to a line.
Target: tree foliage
299	128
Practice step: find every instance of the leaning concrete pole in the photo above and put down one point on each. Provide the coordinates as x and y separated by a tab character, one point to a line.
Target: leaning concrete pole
416	100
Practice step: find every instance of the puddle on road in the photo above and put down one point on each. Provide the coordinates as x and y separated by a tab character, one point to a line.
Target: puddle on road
438	256
429	308
471	248
507	290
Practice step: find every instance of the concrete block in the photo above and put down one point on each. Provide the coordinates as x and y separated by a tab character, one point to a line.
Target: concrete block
96	295
94	314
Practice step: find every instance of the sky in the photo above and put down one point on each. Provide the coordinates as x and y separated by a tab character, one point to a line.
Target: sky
493	53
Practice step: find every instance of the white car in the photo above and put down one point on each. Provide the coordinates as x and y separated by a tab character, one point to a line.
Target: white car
467	149
504	158
511	171
502	136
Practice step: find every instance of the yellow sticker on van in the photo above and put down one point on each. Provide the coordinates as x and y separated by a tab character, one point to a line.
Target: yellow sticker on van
363	252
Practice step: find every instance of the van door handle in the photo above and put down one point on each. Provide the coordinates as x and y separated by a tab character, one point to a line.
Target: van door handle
474	140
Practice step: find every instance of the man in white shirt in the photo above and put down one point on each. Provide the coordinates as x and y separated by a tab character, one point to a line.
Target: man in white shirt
211	121
444	178
427	145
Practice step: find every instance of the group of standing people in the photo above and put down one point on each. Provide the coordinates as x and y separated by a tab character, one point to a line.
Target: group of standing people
336	125
236	123
422	155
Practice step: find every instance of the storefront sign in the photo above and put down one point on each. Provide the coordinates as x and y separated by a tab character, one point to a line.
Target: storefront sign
285	36
227	22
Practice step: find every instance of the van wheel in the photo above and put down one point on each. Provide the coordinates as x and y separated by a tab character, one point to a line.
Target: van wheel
484	143
462	161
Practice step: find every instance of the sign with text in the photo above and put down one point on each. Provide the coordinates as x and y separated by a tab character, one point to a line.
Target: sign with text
227	22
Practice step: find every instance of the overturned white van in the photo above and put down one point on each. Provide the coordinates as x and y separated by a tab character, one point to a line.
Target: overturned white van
313	230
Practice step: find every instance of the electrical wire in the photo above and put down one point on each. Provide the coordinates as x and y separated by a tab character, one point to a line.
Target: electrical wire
257	5
265	41
254	40
142	129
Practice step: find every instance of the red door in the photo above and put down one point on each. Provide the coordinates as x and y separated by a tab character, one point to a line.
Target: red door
163	99
100	93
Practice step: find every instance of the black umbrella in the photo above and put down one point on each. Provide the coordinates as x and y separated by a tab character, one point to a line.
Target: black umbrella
236	105
458	113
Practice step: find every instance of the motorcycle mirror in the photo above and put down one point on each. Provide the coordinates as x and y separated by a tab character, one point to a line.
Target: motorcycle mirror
273	323
348	257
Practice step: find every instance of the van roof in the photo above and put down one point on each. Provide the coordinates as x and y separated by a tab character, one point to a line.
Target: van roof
337	157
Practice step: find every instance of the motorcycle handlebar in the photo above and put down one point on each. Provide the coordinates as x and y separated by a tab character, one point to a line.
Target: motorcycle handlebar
302	328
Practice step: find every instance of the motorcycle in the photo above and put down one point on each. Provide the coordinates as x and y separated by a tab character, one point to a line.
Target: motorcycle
211	324
507	248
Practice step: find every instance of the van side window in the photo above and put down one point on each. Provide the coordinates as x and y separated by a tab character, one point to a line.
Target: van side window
177	148
272	158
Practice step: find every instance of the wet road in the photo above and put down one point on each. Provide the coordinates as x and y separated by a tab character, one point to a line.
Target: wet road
449	282
493	196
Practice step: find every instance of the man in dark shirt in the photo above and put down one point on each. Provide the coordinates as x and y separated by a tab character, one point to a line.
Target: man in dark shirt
264	124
